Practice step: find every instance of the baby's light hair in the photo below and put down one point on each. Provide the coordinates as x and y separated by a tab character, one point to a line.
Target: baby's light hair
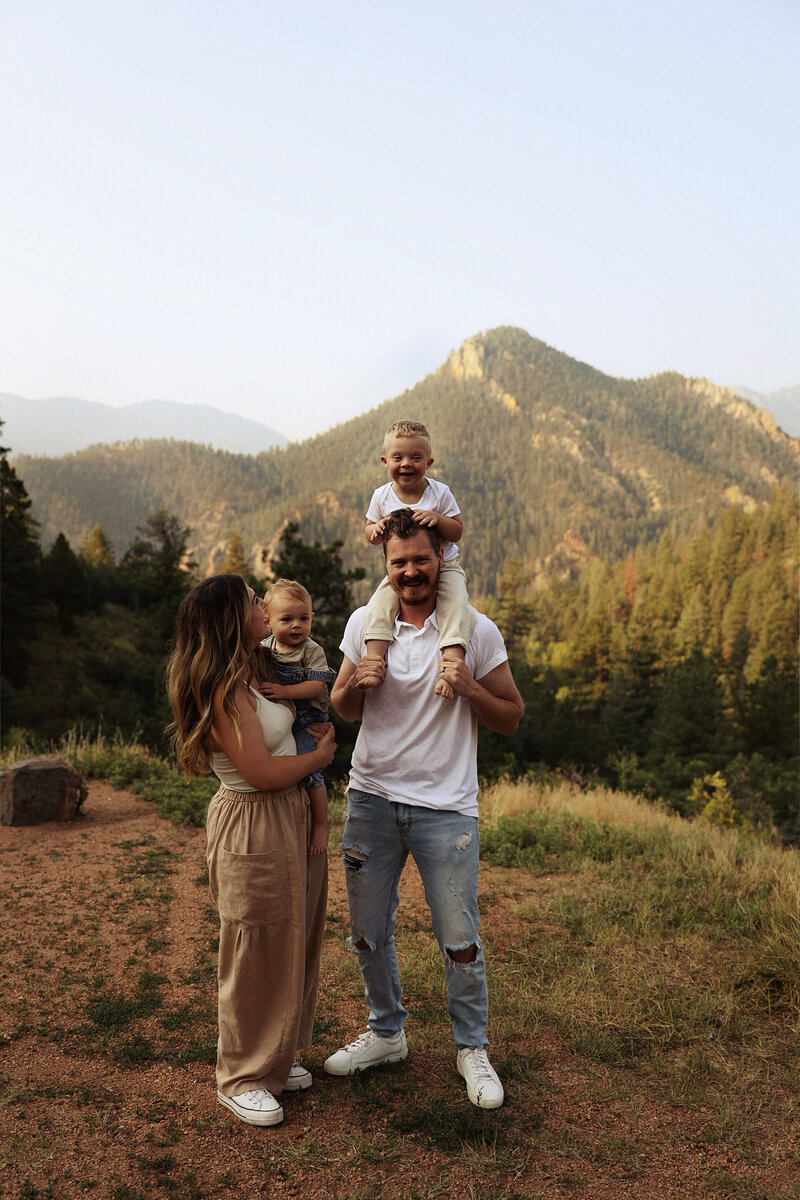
291	587
408	429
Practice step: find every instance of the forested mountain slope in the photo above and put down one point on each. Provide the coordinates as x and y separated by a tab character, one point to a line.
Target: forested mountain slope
552	462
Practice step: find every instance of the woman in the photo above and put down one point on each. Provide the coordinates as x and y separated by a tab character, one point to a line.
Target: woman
270	895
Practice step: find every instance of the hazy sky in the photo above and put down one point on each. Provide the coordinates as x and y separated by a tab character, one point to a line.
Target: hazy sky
295	210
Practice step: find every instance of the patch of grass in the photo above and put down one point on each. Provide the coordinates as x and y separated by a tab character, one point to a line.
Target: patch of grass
741	1187
179	1018
29	1191
439	1121
112	1010
545	841
134	1051
203	1049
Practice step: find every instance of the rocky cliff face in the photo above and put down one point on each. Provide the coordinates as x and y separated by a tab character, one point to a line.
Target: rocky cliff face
742	410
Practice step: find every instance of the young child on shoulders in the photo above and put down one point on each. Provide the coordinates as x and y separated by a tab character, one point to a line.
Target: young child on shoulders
407	456
303	675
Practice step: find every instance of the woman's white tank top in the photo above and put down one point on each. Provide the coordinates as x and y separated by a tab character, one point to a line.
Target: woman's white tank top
276	722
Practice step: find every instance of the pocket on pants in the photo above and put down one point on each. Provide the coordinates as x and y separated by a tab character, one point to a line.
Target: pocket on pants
247	886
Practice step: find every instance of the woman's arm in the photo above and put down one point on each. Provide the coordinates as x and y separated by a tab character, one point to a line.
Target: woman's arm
264	771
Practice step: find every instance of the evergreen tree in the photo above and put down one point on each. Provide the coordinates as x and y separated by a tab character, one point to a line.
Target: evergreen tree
96	549
65	583
690	721
628	713
19	576
234	562
158	568
512	612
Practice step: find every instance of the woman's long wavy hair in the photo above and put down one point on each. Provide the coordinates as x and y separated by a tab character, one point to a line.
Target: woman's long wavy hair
209	649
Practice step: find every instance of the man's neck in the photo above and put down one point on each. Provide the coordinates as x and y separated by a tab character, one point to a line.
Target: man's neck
416	614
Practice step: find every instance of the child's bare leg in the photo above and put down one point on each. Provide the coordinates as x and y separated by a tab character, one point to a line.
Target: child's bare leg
449	654
375	649
318	842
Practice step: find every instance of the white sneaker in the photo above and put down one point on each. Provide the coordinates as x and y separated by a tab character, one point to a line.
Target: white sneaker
483	1085
299	1078
257	1107
366	1051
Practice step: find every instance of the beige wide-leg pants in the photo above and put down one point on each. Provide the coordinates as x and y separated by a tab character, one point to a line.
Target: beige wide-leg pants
271	899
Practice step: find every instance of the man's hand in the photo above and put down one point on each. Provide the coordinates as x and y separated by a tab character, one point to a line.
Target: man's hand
456	672
369	673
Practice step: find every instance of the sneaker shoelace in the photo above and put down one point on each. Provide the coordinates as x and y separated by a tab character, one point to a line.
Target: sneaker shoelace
480	1061
363	1039
255	1098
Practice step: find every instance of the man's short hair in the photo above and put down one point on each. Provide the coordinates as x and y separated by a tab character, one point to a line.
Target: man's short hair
408	429
401	524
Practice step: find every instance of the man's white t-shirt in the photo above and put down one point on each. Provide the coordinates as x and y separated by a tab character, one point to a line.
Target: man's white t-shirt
437	498
414	747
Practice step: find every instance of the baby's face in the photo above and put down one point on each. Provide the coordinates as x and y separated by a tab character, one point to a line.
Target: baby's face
289	618
406	459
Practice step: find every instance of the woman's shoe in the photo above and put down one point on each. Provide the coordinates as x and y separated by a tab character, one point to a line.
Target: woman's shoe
257	1107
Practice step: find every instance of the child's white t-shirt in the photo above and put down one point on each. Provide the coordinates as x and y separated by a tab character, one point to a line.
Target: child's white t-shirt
437	498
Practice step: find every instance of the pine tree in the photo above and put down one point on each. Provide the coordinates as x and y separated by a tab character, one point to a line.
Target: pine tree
159	568
512	612
234	562
96	549
65	583
19	577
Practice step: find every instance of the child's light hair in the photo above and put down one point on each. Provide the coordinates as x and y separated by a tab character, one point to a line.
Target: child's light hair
408	429
291	587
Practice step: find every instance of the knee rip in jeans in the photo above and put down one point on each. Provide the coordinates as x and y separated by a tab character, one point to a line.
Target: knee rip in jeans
465	964
358	947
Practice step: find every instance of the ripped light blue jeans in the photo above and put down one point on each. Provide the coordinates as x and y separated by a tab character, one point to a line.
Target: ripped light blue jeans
379	835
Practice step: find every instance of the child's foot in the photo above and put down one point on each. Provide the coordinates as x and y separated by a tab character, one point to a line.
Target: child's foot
318	842
443	688
451	654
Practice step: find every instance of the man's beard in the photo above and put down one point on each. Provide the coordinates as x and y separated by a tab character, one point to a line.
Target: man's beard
421	597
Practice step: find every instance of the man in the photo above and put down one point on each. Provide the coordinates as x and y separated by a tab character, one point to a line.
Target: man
414	789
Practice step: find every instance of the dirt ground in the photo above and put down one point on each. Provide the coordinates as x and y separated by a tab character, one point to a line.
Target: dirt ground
77	1120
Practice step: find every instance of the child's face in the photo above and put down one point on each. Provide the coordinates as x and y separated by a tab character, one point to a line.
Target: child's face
289	618
406	459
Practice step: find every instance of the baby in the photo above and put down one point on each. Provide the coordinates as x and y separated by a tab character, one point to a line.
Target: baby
407	456
303	674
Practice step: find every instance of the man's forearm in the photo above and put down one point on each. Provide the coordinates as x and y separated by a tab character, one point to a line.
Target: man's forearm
347	699
498	713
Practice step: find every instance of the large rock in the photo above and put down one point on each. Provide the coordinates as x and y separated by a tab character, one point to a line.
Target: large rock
39	789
